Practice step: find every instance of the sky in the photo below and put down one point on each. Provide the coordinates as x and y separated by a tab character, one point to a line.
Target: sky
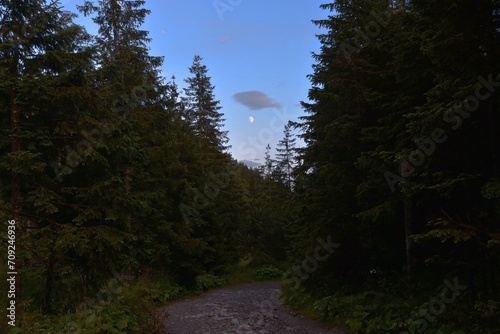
257	52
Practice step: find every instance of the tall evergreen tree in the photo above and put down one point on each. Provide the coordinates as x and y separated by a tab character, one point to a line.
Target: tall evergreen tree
458	165
388	95
285	156
43	61
267	168
136	103
331	131
92	201
203	109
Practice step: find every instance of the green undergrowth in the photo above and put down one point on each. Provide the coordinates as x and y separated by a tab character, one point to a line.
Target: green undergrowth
406	310
125	306
252	269
118	307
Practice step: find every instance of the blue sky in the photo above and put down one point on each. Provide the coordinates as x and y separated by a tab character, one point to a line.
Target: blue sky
257	52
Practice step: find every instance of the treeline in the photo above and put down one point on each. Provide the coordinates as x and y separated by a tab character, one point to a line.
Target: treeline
401	168
109	171
386	222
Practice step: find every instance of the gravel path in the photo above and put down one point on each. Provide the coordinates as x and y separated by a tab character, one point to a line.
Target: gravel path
247	309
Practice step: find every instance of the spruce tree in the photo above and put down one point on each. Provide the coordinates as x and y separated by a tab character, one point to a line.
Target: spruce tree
331	130
203	109
217	195
393	151
285	156
43	61
133	102
267	168
457	165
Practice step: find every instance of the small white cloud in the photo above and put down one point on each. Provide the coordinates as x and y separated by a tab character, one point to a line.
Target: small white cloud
163	31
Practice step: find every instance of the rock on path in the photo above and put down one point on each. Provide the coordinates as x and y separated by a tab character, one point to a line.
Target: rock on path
247	309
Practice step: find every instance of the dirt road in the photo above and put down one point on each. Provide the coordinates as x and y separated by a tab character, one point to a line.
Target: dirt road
247	309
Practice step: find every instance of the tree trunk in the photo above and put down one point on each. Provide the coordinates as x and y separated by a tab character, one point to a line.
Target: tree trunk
46	306
408	217
16	188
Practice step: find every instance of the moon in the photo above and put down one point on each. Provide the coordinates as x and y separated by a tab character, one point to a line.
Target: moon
251	119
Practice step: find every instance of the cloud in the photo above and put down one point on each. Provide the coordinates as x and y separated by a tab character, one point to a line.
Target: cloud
224	39
256	100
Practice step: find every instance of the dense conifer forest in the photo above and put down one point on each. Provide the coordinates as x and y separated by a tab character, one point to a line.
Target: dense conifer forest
119	193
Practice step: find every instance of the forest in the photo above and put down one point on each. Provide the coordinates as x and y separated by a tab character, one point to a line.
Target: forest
118	193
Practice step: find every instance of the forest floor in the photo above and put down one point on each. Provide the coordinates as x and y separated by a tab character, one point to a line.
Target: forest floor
253	308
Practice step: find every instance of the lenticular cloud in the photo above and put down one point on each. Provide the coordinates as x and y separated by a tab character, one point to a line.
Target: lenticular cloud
256	100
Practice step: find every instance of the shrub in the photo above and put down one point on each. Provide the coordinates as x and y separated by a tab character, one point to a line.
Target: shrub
115	309
207	282
269	273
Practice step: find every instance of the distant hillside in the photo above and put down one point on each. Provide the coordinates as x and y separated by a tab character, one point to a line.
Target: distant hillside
251	164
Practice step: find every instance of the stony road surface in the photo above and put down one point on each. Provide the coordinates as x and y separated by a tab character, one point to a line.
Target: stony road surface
247	309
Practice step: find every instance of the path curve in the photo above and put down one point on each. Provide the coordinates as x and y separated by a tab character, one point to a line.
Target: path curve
253	308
